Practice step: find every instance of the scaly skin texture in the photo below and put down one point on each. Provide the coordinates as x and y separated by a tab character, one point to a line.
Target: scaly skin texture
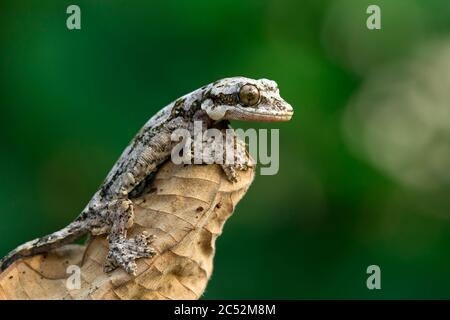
110	210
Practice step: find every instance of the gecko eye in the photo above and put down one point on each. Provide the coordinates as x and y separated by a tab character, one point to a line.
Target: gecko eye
249	95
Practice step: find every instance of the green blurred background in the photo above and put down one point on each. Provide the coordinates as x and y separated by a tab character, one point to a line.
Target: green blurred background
364	164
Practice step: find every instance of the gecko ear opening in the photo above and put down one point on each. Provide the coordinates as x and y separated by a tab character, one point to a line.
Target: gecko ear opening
213	111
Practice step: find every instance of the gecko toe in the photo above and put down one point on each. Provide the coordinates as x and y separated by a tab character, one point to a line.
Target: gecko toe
124	252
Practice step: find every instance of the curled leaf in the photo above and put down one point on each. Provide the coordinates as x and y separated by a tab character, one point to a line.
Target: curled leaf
185	207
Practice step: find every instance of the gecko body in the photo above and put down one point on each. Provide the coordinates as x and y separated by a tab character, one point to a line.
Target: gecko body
110	211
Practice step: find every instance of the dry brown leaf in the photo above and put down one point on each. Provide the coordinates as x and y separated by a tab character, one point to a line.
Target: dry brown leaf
186	208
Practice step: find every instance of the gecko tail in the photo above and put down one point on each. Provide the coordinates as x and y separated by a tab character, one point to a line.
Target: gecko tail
64	236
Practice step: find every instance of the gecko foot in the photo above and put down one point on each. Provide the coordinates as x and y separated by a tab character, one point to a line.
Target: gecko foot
231	173
123	252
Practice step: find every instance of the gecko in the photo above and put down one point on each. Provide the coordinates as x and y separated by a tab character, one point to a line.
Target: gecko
110	211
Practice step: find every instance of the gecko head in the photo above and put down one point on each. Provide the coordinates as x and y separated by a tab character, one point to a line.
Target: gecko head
242	98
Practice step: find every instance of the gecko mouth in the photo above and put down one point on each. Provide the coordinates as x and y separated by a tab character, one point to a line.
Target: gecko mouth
273	118
259	116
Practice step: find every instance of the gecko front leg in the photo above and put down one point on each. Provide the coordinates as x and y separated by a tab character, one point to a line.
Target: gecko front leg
240	162
231	154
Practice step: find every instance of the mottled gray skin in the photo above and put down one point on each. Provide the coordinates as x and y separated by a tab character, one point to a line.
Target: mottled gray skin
110	210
